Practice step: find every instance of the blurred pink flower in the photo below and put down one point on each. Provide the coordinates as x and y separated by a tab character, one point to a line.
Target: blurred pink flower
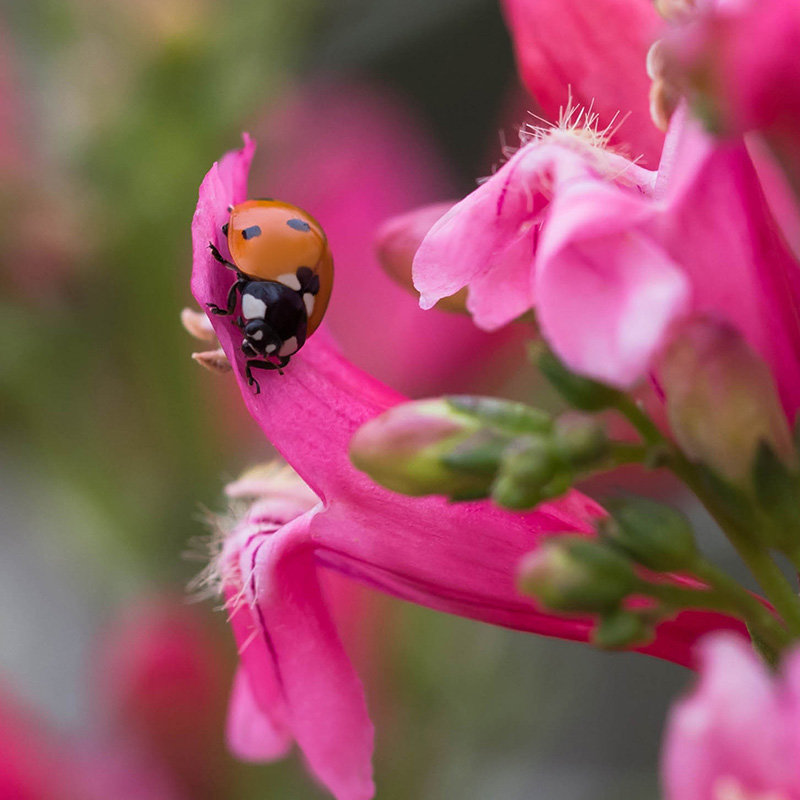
164	685
738	62
741	55
370	160
296	680
737	736
31	767
595	50
611	255
32	190
38	764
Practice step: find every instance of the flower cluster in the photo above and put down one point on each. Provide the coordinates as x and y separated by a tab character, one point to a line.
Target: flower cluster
661	288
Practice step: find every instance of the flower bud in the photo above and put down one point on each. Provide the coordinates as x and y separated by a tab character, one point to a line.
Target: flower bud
580	440
572	573
654	535
621	629
738	61
427	447
527	467
721	400
516	418
397	242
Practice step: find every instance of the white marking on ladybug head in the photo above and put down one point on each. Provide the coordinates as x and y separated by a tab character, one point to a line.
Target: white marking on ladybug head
308	299
289	347
290	280
257	335
252	307
270	348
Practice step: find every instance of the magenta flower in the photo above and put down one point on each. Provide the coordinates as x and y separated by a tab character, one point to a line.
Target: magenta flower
737	736
36	763
738	63
163	684
374	161
611	255
296	682
742	57
597	51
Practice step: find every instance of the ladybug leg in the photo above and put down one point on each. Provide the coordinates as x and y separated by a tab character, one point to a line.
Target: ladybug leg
216	253
252	364
231	302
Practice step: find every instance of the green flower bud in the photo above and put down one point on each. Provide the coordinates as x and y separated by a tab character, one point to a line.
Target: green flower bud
505	415
654	535
528	464
581	393
620	630
721	400
572	573
426	447
581	440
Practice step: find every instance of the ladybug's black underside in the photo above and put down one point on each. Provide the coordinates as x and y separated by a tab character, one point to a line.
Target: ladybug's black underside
284	315
274	316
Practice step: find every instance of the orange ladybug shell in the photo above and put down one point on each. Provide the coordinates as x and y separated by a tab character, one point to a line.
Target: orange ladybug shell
270	239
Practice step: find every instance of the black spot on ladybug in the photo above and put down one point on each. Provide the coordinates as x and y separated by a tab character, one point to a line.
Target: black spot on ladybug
225	229
251	232
298	224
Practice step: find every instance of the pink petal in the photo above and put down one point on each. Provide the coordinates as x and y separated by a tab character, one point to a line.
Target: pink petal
717	225
375	160
257	683
325	700
731	728
251	732
607	293
487	242
597	51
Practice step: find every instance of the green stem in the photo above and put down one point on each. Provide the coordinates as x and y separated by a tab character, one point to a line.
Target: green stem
641	421
773	582
750	608
758	619
627	453
769	576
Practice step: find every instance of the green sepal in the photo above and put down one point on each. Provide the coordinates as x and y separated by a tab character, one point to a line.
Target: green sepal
527	466
479	454
654	535
575	574
621	630
581	393
580	440
508	416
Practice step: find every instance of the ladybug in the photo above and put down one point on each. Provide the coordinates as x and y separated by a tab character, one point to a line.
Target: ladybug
284	276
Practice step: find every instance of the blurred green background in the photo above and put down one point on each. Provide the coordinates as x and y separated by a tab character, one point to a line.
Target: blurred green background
114	441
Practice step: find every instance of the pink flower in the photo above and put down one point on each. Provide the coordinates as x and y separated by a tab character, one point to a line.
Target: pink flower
370	160
741	56
37	764
738	63
596	50
737	736
611	256
296	682
163	683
